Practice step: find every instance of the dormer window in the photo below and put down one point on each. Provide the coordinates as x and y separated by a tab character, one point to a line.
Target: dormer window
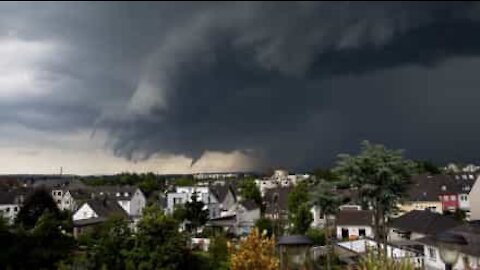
444	188
118	194
126	194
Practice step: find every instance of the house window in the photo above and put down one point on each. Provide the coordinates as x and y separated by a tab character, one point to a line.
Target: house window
432	253
453	198
177	201
445	198
7	210
362	232
15	209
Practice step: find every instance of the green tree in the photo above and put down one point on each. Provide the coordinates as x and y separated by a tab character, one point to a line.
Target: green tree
382	177
195	214
264	225
34	206
424	166
324	198
250	191
299	214
218	252
110	244
48	245
302	219
158	243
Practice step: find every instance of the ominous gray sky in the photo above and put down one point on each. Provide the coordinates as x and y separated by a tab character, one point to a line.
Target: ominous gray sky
110	87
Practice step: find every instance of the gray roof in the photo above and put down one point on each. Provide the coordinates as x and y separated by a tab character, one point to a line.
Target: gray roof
429	187
8	197
123	192
354	217
276	199
294	240
424	222
105	207
221	191
471	233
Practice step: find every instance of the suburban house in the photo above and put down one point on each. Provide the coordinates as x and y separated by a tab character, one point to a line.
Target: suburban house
73	198
351	251
417	224
10	204
241	222
94	212
226	197
474	201
276	202
353	224
469	257
248	212
425	193
203	193
130	198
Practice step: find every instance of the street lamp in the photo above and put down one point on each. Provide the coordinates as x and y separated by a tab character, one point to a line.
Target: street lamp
293	251
449	244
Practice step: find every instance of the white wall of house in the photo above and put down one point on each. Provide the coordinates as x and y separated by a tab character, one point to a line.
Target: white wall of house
9	211
68	202
464	202
84	212
393	235
135	205
474	201
184	194
354	231
228	202
57	195
318	218
246	219
433	261
396	253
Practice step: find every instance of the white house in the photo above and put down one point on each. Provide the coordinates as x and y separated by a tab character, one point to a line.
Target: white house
94	212
226	198
248	212
130	198
474	201
469	253
241	222
417	224
353	224
183	195
9	205
361	247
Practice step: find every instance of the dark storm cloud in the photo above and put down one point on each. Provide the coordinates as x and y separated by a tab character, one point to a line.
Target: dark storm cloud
291	83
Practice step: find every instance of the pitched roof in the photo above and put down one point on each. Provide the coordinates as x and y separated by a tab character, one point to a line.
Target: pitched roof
119	192
276	199
8	197
249	205
354	217
430	187
221	191
105	207
424	222
471	233
80	195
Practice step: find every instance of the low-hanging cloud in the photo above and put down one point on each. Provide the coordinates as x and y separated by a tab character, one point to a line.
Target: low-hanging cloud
288	84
